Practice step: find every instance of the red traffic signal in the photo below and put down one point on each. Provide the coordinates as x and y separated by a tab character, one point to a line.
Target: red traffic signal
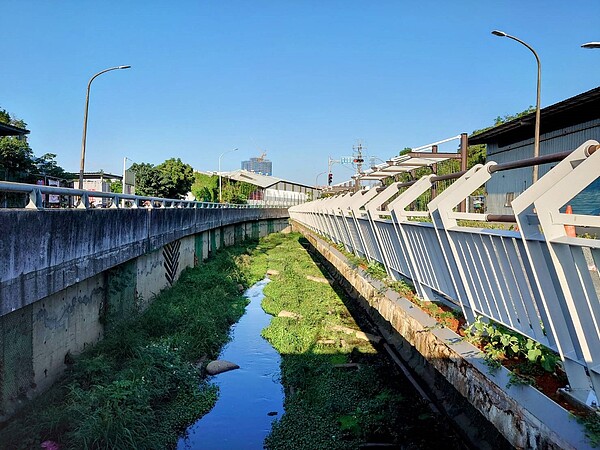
329	178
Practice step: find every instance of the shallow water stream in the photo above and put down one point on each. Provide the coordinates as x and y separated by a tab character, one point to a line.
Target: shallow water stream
240	418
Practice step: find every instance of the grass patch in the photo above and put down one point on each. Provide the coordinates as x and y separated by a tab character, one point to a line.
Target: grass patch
139	387
327	406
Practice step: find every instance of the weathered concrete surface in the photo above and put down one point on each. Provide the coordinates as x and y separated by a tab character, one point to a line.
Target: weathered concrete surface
44	252
38	339
63	323
454	370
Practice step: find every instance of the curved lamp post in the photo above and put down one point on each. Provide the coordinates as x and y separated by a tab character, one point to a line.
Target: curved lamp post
536	140
85	115
317	179
220	185
591	45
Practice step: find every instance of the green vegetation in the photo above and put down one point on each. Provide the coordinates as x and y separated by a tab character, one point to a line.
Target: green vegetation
140	387
206	189
170	179
591	422
499	344
328	406
507	118
17	161
476	154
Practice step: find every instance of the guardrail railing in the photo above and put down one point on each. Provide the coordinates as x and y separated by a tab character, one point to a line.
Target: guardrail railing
81	199
538	281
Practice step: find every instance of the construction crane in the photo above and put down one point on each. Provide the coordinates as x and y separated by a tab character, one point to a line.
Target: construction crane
261	158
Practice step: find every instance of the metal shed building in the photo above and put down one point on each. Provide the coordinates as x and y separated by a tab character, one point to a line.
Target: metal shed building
273	190
563	126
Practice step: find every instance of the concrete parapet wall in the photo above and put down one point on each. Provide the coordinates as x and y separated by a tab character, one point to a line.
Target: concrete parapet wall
44	252
39	333
478	400
63	323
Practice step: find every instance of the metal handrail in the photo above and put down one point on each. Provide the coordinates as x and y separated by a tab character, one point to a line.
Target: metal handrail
540	281
119	200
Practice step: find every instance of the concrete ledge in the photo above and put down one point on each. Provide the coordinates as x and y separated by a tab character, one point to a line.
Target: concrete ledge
44	252
454	370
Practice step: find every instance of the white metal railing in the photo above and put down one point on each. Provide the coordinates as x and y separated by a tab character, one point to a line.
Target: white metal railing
538	281
80	199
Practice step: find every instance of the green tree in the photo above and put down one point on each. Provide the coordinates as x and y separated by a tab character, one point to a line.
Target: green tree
16	159
4	116
170	179
116	187
146	179
175	178
47	165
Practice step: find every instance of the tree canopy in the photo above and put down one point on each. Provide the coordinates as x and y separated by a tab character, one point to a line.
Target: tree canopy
170	179
17	161
176	178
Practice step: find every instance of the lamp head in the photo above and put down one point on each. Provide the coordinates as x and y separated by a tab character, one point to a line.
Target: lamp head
499	33
591	45
124	67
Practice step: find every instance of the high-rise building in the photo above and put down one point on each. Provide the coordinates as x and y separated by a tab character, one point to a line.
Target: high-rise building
258	165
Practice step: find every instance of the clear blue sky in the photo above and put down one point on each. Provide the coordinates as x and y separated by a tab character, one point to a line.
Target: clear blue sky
301	80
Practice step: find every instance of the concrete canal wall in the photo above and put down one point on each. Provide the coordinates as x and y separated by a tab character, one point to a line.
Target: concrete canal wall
490	414
64	273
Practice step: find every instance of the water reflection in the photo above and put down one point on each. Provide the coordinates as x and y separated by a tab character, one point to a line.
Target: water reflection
240	417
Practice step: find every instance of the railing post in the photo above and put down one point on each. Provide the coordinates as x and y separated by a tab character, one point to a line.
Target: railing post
434	167
464	146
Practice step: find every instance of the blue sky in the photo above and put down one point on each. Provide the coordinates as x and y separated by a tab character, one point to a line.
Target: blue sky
301	80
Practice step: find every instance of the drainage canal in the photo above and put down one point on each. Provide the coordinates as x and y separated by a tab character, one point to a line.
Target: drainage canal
251	397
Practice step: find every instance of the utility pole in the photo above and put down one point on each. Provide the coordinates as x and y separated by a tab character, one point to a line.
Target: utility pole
358	160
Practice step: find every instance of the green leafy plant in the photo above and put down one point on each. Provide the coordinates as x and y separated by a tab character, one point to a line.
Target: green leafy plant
591	422
499	343
377	270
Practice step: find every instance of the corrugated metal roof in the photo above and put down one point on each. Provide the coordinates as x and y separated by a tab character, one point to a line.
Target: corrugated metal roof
263	181
10	130
581	108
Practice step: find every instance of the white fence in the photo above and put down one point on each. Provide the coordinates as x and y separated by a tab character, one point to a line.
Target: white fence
538	281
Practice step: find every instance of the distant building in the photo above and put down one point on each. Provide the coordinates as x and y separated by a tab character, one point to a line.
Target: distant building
274	191
564	126
11	130
258	165
99	182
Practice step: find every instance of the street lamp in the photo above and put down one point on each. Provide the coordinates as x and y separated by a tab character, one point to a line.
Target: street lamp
536	139
591	45
220	185
317	179
85	115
